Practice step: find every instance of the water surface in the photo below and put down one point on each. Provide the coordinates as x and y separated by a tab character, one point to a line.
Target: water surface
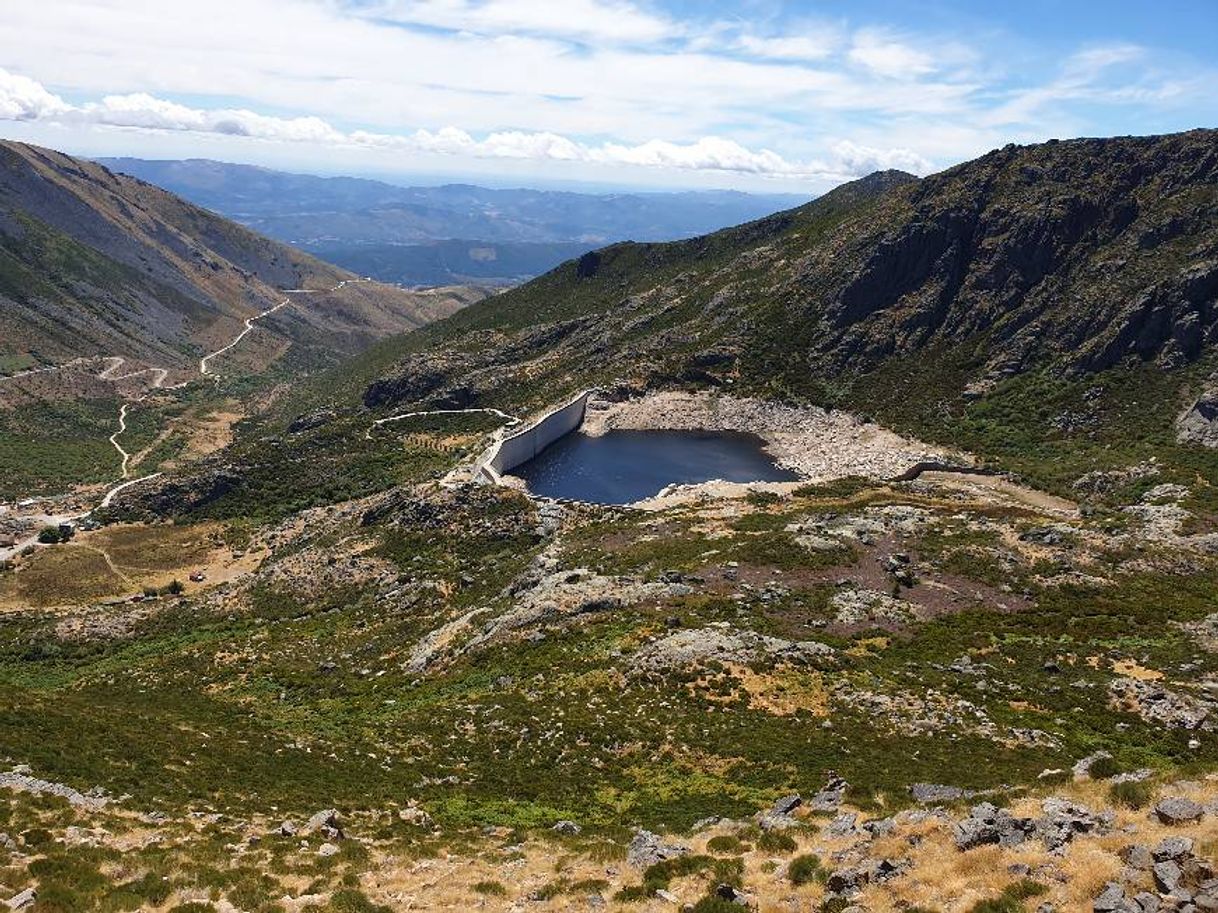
625	466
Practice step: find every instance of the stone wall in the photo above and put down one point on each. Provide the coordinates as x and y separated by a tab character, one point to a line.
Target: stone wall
524	445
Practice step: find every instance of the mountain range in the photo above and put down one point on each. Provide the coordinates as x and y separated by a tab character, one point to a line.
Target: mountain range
388	231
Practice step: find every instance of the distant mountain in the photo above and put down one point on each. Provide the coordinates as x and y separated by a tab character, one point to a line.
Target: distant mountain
449	262
93	263
328	214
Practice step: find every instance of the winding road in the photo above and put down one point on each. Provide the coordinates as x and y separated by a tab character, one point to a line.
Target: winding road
159	376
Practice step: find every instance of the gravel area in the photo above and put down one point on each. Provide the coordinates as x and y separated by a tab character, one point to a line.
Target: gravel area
818	445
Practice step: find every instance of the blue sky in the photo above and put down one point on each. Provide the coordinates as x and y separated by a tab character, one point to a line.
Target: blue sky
760	94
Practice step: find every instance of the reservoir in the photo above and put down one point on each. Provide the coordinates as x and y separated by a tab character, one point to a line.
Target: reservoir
621	467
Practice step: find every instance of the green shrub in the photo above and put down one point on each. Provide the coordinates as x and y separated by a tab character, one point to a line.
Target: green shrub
1011	899
727	844
1103	768
762	498
1131	794
490	889
776	842
806	869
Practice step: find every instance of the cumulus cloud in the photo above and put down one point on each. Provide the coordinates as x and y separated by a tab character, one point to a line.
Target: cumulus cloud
21	98
24	99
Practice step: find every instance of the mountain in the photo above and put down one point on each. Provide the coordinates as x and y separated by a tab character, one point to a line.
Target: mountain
931	303
97	263
454	261
326	663
324	215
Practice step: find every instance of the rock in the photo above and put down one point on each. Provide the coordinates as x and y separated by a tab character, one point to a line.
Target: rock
1112	899
779	817
1157	704
935	794
1147	902
1167	876
733	894
987	824
1138	856
646	849
19	778
786	804
327	849
843	825
325	822
689	648
23	900
1174	848
288	829
830	795
1178	810
850	881
566	828
311	420
1062	820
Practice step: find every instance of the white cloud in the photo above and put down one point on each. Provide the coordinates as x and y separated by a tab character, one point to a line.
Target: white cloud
146	112
790	47
887	56
599	20
21	98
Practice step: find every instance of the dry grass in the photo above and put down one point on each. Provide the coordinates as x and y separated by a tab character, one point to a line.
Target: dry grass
119	560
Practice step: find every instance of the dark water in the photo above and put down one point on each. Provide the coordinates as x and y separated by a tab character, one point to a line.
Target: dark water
624	466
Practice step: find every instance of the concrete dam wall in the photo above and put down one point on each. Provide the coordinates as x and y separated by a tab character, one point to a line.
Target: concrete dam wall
524	445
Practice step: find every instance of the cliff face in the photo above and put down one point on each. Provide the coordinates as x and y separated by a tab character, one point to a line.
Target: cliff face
1087	251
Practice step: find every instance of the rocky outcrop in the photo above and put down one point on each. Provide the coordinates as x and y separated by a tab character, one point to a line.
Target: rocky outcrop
688	649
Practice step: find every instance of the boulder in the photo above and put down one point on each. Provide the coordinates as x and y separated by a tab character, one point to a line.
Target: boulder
566	828
987	824
1063	820
1173	848
324	822
830	795
1177	810
646	849
23	900
935	794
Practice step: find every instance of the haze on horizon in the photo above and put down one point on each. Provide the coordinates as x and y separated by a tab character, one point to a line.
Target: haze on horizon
756	95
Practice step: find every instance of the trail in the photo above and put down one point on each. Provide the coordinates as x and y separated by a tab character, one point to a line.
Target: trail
122	426
159	376
512	421
204	370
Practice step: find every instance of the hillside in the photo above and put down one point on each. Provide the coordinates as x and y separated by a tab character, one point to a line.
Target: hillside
326	665
977	307
94	263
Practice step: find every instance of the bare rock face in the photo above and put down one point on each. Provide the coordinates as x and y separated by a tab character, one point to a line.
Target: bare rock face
1199	424
646	849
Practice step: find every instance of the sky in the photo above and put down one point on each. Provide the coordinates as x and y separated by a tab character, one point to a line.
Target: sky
757	95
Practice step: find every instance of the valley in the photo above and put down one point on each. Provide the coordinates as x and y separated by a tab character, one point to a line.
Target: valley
329	652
